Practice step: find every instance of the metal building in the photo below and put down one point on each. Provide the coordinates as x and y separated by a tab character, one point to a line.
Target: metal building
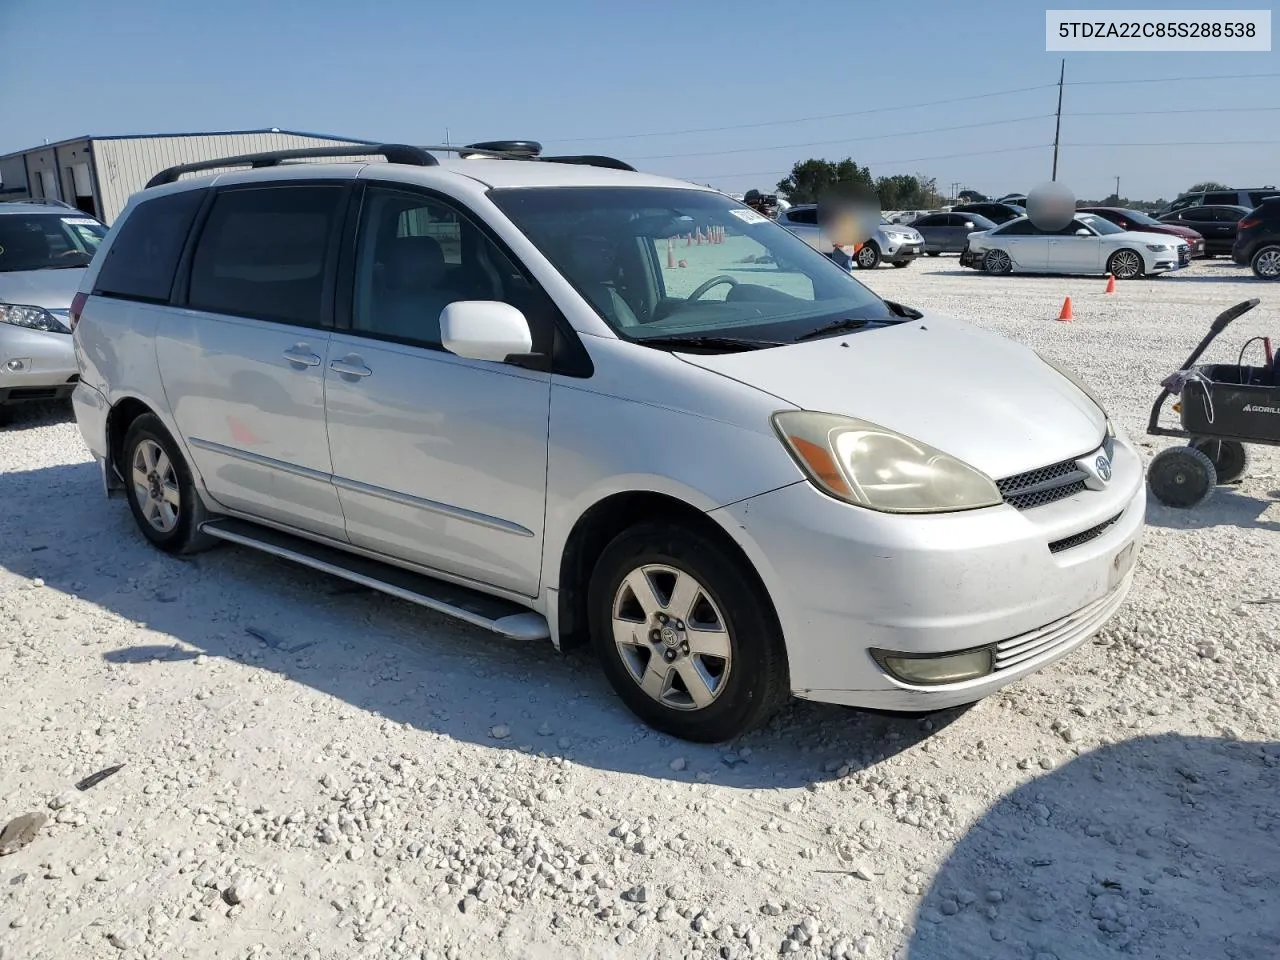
98	174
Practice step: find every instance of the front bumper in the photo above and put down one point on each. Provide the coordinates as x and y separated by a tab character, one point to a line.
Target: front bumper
35	365
899	250
845	581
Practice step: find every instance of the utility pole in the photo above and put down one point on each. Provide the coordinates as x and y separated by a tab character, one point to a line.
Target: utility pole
1057	123
1117	189
447	142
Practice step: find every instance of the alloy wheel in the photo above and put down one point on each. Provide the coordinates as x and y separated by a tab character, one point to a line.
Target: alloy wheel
1267	264
155	486
671	637
1125	265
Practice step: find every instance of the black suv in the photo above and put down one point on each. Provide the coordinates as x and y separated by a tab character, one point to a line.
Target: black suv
1258	240
994	211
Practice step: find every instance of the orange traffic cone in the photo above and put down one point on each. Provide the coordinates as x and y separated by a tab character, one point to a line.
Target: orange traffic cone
671	256
1066	310
1111	283
682	264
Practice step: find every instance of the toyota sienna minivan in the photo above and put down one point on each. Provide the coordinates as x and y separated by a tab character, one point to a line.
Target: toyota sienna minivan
565	400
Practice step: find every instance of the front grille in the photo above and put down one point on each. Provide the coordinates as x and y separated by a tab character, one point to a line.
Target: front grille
1056	637
1184	255
1083	537
1035	488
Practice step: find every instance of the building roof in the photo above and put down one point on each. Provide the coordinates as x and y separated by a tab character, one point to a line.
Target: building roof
163	136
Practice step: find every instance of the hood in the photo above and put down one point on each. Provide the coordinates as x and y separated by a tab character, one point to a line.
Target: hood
985	399
1143	236
1186	233
51	289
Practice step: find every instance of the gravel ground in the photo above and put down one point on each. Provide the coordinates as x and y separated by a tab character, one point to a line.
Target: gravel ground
316	771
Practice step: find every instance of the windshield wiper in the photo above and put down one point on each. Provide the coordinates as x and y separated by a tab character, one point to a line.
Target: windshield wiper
835	326
718	343
911	313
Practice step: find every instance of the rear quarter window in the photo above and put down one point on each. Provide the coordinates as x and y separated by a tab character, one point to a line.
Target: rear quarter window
141	261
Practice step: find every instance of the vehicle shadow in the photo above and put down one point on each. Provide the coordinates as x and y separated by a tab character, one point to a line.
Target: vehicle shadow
1162	846
24	416
391	658
1227	507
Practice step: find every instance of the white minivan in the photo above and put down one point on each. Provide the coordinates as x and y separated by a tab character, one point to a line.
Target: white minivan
562	399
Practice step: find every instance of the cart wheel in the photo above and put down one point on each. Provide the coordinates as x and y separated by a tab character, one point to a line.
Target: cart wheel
1181	477
1230	458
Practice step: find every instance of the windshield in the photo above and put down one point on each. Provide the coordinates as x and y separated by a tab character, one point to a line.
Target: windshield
1100	226
47	241
1137	216
659	262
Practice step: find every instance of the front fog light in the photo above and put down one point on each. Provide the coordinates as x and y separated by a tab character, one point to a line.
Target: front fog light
932	669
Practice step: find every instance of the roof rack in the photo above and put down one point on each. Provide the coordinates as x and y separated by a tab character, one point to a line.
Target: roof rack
47	201
418	156
393	152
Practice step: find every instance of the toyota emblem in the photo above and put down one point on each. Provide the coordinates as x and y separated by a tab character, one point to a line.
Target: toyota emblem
1104	468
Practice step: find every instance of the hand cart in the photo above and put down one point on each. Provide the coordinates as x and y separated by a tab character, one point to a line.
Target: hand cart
1222	407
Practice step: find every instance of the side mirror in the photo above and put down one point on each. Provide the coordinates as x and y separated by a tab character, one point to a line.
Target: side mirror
484	330
1082	232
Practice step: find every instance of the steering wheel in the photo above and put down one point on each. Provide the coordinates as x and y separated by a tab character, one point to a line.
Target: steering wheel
713	282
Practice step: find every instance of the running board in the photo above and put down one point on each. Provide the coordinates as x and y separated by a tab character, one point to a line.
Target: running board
480	609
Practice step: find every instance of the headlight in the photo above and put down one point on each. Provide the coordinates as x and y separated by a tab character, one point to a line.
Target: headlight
33	318
872	467
1158	247
1079	383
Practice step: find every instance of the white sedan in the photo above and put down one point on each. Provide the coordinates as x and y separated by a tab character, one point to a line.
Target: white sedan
1088	244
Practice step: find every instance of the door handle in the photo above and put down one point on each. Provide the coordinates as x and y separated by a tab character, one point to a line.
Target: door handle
300	355
350	366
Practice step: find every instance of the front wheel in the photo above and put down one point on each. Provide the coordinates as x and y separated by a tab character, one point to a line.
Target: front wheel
1125	265
684	634
997	261
868	257
1266	262
933	253
901	263
160	490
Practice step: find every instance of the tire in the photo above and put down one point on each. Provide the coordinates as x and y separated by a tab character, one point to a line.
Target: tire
933	253
1266	262
901	263
740	689
1230	458
160	490
1126	264
997	262
1181	477
868	257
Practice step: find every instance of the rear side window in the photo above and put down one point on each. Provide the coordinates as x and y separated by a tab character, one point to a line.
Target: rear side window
262	253
142	259
1225	197
807	217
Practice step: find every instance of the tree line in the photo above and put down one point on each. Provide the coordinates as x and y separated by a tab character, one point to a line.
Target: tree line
809	179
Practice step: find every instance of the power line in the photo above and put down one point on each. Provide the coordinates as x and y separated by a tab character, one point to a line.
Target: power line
1220	76
823	143
826	116
1146	113
1182	143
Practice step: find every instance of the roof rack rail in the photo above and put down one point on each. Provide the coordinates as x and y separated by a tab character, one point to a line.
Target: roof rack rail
393	152
528	150
48	201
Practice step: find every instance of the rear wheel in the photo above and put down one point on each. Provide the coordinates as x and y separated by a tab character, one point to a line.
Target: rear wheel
901	263
1125	265
1181	477
933	253
684	634
160	490
1230	458
1266	262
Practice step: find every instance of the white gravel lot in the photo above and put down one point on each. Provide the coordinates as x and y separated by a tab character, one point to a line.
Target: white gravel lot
314	771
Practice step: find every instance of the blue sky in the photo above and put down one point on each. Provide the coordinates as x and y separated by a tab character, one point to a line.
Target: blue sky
599	77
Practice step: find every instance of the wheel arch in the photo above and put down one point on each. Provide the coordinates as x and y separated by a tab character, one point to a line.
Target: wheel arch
119	417
604	520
